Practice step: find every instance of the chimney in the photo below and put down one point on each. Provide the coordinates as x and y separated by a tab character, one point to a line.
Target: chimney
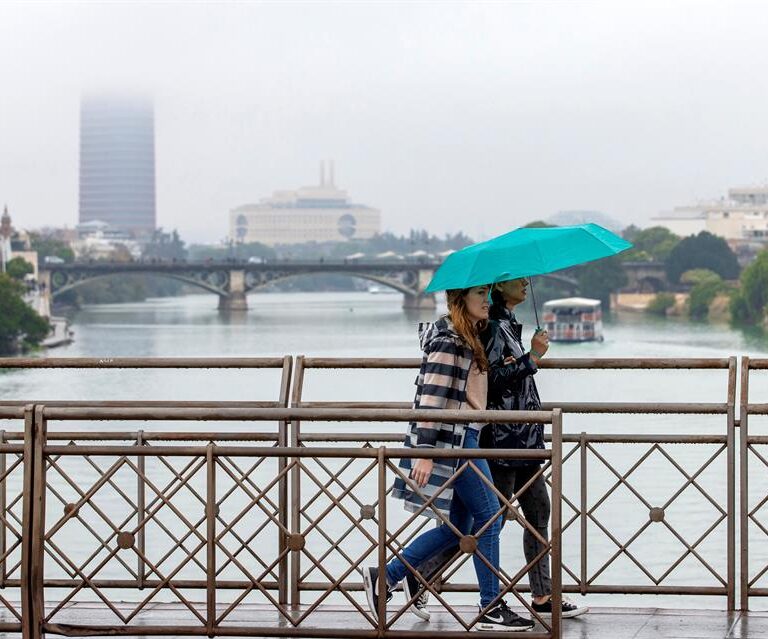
331	179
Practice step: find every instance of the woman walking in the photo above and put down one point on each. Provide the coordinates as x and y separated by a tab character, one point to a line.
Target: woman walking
453	375
511	386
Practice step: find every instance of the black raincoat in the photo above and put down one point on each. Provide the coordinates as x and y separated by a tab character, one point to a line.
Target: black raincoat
510	386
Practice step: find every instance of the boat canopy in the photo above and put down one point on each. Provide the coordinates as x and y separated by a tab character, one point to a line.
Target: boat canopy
572	302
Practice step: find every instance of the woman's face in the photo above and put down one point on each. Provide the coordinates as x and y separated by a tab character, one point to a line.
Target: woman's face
476	300
514	291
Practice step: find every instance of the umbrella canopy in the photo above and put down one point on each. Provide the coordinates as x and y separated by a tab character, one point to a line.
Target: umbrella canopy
525	252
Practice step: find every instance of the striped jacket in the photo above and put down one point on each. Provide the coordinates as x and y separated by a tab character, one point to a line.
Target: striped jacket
441	384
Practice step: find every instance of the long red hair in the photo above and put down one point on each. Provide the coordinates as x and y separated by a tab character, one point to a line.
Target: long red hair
465	326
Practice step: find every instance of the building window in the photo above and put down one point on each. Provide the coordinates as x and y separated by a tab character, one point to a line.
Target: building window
347	225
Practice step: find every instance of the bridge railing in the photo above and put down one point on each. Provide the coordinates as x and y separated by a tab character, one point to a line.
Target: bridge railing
113	517
592	466
13	408
609	503
753	478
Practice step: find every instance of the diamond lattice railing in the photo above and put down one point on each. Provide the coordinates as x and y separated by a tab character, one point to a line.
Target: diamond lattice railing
11	482
756	514
657	514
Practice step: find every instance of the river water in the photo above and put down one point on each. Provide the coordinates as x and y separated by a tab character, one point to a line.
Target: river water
365	325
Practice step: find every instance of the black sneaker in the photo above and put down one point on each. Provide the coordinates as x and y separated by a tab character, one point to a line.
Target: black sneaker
371	585
501	618
569	609
411	586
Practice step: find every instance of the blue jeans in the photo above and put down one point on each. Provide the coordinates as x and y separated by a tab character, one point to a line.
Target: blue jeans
472	506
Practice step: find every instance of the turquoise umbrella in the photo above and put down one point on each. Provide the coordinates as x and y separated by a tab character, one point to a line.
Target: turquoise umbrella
526	252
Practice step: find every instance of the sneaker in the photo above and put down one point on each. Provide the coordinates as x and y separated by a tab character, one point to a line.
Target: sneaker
371	585
501	618
411	586
569	609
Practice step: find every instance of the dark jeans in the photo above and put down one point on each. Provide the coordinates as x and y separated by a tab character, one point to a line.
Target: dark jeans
472	506
535	505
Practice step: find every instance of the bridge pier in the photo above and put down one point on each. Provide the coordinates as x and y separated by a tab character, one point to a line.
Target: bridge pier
420	301
235	300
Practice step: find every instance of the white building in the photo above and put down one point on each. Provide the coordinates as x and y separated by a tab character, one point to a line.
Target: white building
98	240
741	218
312	213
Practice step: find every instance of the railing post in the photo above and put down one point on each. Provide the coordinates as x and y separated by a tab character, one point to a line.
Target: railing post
382	547
731	483
30	627
141	508
744	483
210	516
3	506
295	441
557	524
36	545
583	519
282	495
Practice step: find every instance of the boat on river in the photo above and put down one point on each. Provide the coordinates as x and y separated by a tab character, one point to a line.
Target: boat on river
574	319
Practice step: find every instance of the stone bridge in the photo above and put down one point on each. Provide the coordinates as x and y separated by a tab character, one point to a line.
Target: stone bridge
231	281
646	277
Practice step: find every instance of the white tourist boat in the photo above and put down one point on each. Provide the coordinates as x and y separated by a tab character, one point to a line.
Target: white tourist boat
574	319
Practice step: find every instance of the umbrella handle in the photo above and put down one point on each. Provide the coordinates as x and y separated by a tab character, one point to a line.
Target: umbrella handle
533	299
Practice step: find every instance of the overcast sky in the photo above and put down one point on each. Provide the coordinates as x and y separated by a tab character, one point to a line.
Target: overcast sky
444	115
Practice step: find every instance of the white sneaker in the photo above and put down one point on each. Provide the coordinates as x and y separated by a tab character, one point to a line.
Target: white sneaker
568	608
411	586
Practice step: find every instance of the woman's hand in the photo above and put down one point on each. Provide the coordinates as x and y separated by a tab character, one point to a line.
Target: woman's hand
539	344
421	471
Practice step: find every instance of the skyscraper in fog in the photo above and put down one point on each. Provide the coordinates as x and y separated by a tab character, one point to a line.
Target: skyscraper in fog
117	162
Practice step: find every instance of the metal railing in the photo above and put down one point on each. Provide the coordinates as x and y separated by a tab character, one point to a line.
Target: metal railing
10	409
584	506
752	450
211	493
583	503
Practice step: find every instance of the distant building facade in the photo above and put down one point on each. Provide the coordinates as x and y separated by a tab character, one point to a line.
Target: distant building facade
312	213
6	231
15	243
98	240
117	163
741	218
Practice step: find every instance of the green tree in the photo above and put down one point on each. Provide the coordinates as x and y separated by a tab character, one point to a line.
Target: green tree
18	267
166	246
51	247
660	303
706	285
654	244
630	233
748	303
539	224
20	326
702	251
601	278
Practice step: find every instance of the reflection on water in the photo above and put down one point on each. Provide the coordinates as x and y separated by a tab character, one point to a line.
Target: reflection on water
362	325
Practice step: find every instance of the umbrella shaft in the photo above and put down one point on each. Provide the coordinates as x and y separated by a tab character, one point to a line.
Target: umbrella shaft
533	299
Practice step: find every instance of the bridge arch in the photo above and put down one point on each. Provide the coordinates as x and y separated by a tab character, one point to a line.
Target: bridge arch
80	281
396	285
650	284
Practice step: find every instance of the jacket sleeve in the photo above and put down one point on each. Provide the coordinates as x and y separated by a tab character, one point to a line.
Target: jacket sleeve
442	383
501	375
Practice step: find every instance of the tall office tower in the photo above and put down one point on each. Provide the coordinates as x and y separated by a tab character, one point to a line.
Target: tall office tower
117	163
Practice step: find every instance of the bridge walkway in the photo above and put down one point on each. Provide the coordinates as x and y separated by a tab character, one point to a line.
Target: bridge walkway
600	623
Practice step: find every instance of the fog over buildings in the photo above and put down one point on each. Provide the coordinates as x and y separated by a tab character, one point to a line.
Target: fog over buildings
449	116
117	162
